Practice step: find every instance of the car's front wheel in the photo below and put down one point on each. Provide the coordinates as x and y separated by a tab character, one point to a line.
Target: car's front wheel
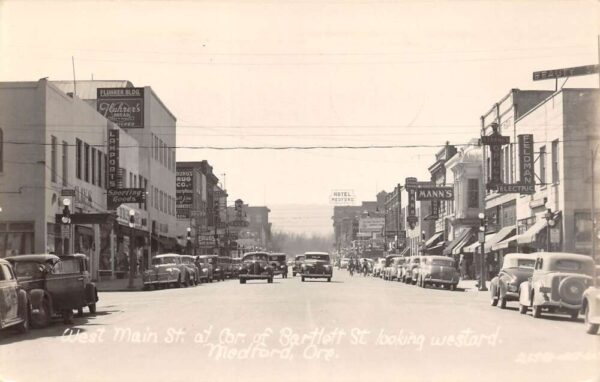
92	308
42	318
522	309
67	315
502	302
242	281
589	327
574	314
302	278
536	311
23	327
270	280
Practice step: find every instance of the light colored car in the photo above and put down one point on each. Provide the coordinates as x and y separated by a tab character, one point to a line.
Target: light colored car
438	270
557	283
591	306
344	263
166	270
193	272
516	268
378	267
316	265
411	269
14	301
388	268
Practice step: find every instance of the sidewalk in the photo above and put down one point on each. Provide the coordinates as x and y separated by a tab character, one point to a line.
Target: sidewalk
471	285
118	285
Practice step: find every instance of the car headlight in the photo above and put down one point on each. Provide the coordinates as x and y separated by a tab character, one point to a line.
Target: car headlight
512	287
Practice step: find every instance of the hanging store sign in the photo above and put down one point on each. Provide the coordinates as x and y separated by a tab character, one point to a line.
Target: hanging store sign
184	192
526	184
565	72
411	188
122	106
113	158
435	193
495	141
118	196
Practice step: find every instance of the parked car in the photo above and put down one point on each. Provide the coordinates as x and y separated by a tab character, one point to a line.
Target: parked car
278	263
225	266
209	262
317	265
387	268
255	266
14	302
516	268
344	263
298	261
193	273
438	271
55	285
410	271
395	269
166	270
236	266
557	283
591	306
378	267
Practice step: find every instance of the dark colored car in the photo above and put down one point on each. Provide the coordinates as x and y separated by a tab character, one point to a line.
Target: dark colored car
14	302
298	261
206	262
278	262
192	269
316	265
516	268
255	266
438	271
55	285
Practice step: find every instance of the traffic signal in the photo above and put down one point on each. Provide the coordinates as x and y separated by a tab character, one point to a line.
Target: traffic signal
66	214
217	205
131	218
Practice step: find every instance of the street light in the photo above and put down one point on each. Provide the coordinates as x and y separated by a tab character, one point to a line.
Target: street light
66	218
549	216
482	227
189	240
132	259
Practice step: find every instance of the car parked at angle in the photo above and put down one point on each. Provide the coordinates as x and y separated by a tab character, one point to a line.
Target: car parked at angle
278	262
256	266
166	270
410	269
55	285
557	284
591	306
393	272
438	271
516	269
387	268
192	269
209	262
316	265
298	261
14	302
378	267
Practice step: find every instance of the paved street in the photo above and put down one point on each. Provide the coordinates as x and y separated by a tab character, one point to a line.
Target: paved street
350	329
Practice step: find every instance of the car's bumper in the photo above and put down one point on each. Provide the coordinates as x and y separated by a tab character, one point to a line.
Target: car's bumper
511	296
560	305
441	281
316	275
256	277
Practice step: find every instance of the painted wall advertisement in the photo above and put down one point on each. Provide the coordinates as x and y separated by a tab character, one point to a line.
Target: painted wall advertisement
123	106
368	226
118	196
184	188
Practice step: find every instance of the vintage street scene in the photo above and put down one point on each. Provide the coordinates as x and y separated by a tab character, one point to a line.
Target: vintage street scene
299	190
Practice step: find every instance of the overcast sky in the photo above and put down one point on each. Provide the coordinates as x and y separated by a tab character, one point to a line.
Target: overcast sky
301	73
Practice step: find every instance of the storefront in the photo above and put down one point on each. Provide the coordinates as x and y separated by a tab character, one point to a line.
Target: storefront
16	238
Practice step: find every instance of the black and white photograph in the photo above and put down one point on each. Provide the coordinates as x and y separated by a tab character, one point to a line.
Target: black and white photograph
299	190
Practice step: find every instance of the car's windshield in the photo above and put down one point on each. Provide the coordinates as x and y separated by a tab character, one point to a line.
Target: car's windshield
317	257
186	260
525	263
441	262
277	257
255	257
28	269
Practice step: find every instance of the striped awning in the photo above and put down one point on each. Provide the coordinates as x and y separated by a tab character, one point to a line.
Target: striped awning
457	240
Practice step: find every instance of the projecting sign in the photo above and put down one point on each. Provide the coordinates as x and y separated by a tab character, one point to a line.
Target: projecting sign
526	184
515	188
184	192
411	217
495	141
435	193
113	158
118	196
565	72
122	106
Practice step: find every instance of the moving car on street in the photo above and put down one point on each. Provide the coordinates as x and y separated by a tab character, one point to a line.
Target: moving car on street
14	302
317	265
236	266
344	263
205	263
557	284
298	261
438	271
591	306
166	270
516	268
255	266
55	285
278	262
225	266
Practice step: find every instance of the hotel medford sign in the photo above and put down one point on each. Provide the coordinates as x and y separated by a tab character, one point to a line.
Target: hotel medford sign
113	158
118	196
122	106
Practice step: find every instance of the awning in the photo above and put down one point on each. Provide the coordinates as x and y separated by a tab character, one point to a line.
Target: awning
433	240
404	251
436	248
501	235
529	236
457	240
474	248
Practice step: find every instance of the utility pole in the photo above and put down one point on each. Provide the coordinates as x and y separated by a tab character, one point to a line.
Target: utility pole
398	215
594	152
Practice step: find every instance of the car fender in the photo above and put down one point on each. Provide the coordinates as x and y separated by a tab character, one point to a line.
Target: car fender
24	305
524	294
494	286
91	295
37	296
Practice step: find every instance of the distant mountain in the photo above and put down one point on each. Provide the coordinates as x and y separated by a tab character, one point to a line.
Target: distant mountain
302	218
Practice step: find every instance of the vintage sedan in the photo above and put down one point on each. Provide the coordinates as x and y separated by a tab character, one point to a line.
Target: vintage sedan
378	267
557	284
166	270
14	302
316	265
591	306
516	268
255	266
298	261
393	271
209	262
278	262
193	273
55	285
438	270
410	269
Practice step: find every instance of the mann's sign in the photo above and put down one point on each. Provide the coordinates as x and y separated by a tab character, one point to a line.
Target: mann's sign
435	193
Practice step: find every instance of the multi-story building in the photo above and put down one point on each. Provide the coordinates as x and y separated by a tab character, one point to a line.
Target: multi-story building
424	228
